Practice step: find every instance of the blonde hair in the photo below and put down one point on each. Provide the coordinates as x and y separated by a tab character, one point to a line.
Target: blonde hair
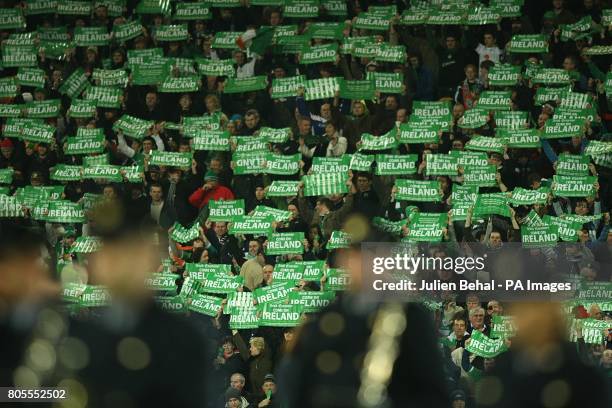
214	99
258	342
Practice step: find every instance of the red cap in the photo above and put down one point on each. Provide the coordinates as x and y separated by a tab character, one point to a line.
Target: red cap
6	143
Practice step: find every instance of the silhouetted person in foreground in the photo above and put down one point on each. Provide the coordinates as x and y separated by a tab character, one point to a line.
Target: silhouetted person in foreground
139	355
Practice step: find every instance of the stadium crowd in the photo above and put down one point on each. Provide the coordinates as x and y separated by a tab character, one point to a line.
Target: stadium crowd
263	138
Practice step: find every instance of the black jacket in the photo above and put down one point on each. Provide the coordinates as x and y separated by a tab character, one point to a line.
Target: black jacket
416	380
227	251
174	375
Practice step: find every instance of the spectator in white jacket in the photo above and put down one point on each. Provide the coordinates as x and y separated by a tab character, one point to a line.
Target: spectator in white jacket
337	143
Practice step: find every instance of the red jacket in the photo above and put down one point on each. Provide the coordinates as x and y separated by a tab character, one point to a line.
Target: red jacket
200	198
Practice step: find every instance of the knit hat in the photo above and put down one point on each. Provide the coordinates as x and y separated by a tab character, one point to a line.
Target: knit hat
6	143
269	378
232	393
211	176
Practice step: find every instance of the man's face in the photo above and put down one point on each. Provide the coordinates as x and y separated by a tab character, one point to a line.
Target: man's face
211	104
220	229
458	404
101	12
451	43
326	111
151	100
401	115
472	302
174	176
36	180
542	118
568	64
185	102
484	73
109	192
459	328
212	184
489	363
156	193
233	403
147	146
321	208
275	19
557	4
304	126
293	209
414	62
117	57
443	183
250	121
279	73
236	382
41	150
6	152
239	58
495	239
494	160
215	166
489	40
267	272
260	193
606	358
363	184
458	111
268	386
583	235
184	147
390	103
470	73
477	319
253	248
